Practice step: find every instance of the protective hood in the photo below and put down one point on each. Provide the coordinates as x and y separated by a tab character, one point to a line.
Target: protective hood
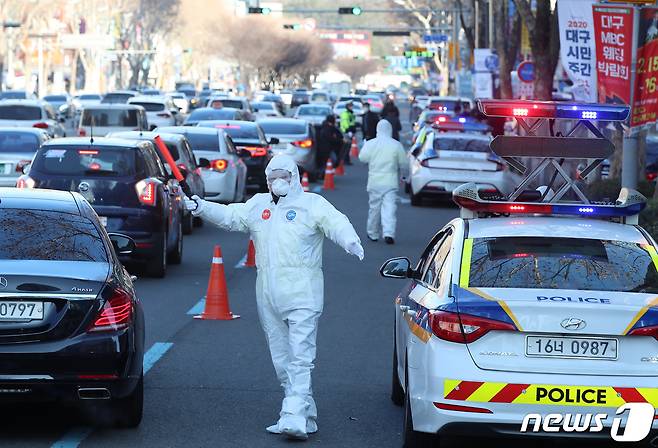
285	162
384	129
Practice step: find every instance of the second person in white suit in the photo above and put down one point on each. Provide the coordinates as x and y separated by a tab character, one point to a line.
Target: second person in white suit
386	161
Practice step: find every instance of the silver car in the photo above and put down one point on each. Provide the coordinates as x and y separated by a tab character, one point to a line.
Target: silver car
296	139
17	148
225	179
31	114
313	113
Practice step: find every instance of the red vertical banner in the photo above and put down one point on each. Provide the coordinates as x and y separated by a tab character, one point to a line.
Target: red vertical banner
645	100
613	31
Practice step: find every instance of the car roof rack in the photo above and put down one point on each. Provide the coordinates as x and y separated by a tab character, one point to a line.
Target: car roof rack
552	149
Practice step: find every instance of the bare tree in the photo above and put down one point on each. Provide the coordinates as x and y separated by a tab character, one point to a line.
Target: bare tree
356	68
507	37
544	43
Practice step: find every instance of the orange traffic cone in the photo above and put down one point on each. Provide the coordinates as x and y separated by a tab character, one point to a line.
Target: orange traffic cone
329	176
354	151
305	184
340	169
251	256
217	296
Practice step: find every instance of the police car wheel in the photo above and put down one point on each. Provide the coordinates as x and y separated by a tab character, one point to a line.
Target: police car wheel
414	439
397	393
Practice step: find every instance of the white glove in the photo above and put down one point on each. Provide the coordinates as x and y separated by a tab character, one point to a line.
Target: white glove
356	249
195	205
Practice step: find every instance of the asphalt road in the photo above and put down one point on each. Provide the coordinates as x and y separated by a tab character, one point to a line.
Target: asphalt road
211	383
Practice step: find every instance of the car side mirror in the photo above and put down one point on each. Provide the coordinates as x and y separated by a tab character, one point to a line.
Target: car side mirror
122	244
183	171
273	141
204	163
399	267
174	111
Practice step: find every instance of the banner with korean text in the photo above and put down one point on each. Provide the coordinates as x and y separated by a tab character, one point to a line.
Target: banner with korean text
613	28
645	99
577	47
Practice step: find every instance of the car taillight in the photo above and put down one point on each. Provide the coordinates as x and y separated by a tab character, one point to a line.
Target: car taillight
464	328
20	165
652	176
82	132
25	181
219	165
116	314
256	151
645	331
40	125
306	144
164	115
146	192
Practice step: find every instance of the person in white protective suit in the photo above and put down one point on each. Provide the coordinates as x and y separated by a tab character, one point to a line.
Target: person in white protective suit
386	161
287	226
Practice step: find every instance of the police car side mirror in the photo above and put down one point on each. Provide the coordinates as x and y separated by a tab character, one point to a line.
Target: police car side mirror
399	267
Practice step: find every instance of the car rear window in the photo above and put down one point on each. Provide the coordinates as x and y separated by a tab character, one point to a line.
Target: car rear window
283	127
263	106
18	142
305	111
121	98
90	97
448	105
237	131
319	97
20	113
150	107
99	161
204	142
460	144
54	98
126	118
211	114
235	104
562	263
49	235
13	95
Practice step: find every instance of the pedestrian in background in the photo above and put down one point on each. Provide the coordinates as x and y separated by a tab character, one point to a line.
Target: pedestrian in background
386	161
391	113
288	227
330	140
369	123
348	128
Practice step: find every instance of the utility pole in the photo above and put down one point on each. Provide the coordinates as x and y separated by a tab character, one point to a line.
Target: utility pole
9	80
491	24
629	162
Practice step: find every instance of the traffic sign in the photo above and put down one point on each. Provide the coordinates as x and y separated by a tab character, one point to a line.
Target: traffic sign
526	71
435	38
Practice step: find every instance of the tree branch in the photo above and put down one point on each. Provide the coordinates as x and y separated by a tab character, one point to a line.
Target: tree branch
526	13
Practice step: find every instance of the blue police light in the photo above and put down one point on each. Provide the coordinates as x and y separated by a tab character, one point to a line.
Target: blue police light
607	112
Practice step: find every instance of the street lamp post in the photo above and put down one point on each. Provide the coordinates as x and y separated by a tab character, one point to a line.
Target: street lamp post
9	80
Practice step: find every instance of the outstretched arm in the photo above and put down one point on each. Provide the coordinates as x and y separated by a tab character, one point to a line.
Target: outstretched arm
337	227
231	217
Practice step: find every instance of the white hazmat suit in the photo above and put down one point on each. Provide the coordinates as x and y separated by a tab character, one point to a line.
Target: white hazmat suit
288	237
386	160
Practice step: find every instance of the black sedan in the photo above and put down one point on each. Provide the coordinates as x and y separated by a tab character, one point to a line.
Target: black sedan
71	327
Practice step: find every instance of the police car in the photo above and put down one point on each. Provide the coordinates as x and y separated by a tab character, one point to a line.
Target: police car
448	154
531	305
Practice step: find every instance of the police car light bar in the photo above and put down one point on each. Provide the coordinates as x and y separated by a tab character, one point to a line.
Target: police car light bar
629	203
553	109
460	126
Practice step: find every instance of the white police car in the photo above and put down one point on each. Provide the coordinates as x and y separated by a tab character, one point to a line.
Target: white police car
525	307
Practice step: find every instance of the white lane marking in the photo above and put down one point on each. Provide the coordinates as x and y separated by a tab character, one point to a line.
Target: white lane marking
76	435
198	308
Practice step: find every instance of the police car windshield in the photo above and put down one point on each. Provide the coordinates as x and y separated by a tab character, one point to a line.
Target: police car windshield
562	263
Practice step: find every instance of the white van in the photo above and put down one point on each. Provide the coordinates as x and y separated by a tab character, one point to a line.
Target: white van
99	120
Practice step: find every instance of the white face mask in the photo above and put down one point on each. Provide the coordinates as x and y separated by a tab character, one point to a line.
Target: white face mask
280	187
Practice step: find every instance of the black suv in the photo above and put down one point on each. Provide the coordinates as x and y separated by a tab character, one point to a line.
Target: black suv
128	186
